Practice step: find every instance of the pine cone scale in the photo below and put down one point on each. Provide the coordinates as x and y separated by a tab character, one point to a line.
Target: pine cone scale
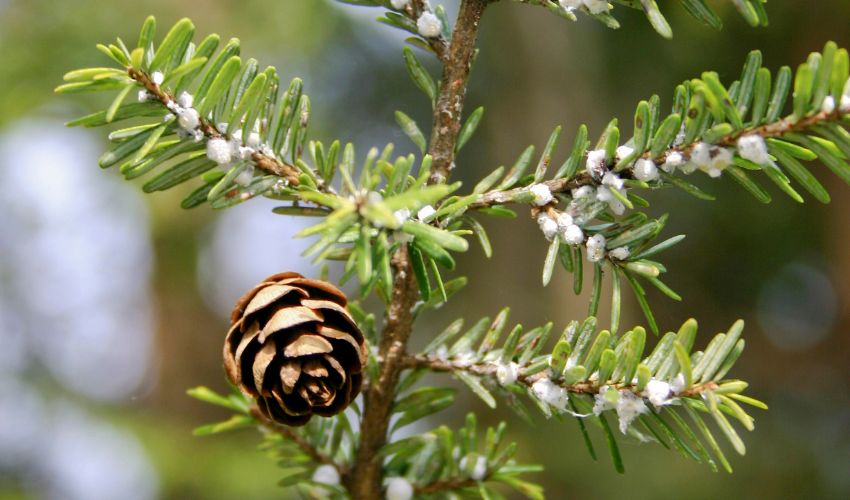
294	346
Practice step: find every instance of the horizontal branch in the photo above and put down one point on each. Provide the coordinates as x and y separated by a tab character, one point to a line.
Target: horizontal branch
489	370
264	162
775	130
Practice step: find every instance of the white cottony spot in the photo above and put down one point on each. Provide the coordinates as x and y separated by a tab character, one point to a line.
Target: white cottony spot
701	155
620	253
828	105
844	106
245	177
326	474
550	393
479	471
605	399
218	150
185	99
188	119
595	164
157	77
542	194
658	392
401	215
564	221
253	140
144	95
720	159
570	5
547	225
582	192
429	25
596	248
624	151
398	488
752	147
674	160
425	212
613	180
399	4
629	406
678	384
507	374
645	170
573	235
597	6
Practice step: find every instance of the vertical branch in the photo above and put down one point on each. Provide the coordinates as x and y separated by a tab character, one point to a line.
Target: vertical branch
364	480
449	107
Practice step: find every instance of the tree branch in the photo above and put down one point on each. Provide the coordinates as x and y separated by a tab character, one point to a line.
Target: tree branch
364	480
489	370
266	163
288	433
449	107
775	130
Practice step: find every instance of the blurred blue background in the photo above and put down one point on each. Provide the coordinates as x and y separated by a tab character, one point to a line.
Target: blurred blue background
113	304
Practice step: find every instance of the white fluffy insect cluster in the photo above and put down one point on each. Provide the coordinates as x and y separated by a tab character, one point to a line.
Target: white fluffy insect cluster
425	213
595	164
629	407
507	374
844	104
596	248
712	160
542	194
752	147
398	488
326	474
620	253
479	469
673	161
605	193
548	226
429	25
399	4
550	393
592	6
645	170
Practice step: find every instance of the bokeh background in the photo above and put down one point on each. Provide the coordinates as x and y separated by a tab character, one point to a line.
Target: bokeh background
113	304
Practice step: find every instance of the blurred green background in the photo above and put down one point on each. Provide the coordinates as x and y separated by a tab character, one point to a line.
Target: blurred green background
113	304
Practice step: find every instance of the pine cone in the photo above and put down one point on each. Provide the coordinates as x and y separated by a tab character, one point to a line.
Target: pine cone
294	347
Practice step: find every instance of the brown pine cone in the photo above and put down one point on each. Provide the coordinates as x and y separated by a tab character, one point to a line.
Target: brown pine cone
294	347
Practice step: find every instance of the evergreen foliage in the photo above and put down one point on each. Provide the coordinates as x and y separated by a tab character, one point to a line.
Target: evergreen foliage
206	115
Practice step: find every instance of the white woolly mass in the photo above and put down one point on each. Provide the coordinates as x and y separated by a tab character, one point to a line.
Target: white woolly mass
602	401
425	212
547	225
604	194
624	151
542	194
828	104
157	77
596	248
550	393
401	215
677	385
564	221
720	159
253	140
144	95
658	392
398	488
582	192
620	253
595	164
507	374
479	471
185	99
442	353
326	474
570	5
429	25
218	150
399	4
674	160
188	119
612	180
844	106
645	170
752	147
629	406
701	155
597	6
245	176
573	235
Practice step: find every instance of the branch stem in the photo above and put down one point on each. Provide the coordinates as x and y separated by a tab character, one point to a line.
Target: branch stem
364	480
